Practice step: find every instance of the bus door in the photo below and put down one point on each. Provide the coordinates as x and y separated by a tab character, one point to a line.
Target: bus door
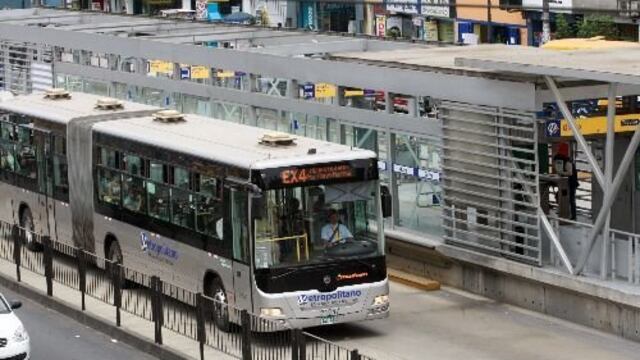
237	220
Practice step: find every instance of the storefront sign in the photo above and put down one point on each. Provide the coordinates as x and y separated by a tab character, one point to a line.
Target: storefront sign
185	73
435	8
381	25
598	125
308	91
225	74
403	6
199	72
324	90
353	92
417	172
553	4
160	67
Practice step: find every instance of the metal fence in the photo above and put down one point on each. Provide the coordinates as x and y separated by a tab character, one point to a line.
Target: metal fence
170	307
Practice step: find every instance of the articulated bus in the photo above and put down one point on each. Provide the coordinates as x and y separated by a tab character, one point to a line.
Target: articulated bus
287	228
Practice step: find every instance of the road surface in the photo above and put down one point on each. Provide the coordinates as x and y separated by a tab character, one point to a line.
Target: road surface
57	337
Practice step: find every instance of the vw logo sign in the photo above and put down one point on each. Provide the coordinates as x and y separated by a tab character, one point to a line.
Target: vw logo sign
327	279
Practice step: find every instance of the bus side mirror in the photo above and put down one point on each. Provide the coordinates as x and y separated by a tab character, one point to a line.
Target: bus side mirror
386	200
257	207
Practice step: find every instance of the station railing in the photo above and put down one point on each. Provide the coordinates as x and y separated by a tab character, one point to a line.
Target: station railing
171	308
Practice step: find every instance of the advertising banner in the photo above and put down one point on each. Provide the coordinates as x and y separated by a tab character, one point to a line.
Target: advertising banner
160	67
435	8
199	72
324	90
381	25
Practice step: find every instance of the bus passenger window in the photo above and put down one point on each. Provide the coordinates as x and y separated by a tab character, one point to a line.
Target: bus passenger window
7	157
157	172
207	186
109	158
26	154
60	168
134	198
109	186
181	178
159	200
133	165
7	132
208	212
184	209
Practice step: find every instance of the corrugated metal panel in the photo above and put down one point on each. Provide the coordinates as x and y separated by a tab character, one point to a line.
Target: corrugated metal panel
490	186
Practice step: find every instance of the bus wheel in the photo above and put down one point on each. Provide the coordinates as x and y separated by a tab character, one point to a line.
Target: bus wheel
114	255
220	309
26	223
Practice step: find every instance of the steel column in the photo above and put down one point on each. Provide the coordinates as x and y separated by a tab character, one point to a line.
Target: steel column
576	131
608	172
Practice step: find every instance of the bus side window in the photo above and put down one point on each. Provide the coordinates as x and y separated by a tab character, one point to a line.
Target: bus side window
208	207
182	200
26	162
60	168
158	191
109	185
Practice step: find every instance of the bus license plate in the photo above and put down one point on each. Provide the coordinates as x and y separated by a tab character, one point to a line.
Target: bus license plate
327	320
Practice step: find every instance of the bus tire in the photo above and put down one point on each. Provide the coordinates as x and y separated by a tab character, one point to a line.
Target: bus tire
29	238
114	255
219	312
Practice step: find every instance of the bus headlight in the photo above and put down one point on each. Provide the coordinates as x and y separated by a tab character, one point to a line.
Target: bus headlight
381	300
271	312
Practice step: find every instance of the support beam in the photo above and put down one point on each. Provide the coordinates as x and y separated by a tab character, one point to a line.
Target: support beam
608	173
576	131
609	199
548	229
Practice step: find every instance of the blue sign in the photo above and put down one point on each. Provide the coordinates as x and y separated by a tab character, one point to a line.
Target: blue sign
308	91
212	12
552	128
157	250
185	73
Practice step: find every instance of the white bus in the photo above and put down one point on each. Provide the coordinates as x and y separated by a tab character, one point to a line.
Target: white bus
287	228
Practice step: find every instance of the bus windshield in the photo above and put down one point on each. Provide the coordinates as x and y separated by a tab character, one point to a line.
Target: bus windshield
315	224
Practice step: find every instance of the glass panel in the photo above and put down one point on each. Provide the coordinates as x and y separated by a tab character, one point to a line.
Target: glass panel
157	172
109	158
134	198
133	165
209	216
159	200
27	164
183	208
8	160
181	178
60	168
239	226
109	185
208	186
316	224
417	170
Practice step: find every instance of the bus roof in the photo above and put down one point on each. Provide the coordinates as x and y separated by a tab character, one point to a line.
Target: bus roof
63	110
227	142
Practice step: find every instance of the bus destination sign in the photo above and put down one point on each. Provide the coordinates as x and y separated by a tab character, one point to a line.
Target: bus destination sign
296	176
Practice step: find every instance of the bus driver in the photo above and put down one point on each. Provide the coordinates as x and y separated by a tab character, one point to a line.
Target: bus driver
334	232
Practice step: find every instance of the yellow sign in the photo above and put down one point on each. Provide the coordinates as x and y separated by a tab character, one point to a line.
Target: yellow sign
225	74
199	72
324	90
160	67
351	93
598	125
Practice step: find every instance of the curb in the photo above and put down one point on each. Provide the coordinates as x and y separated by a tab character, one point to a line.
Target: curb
84	318
414	281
